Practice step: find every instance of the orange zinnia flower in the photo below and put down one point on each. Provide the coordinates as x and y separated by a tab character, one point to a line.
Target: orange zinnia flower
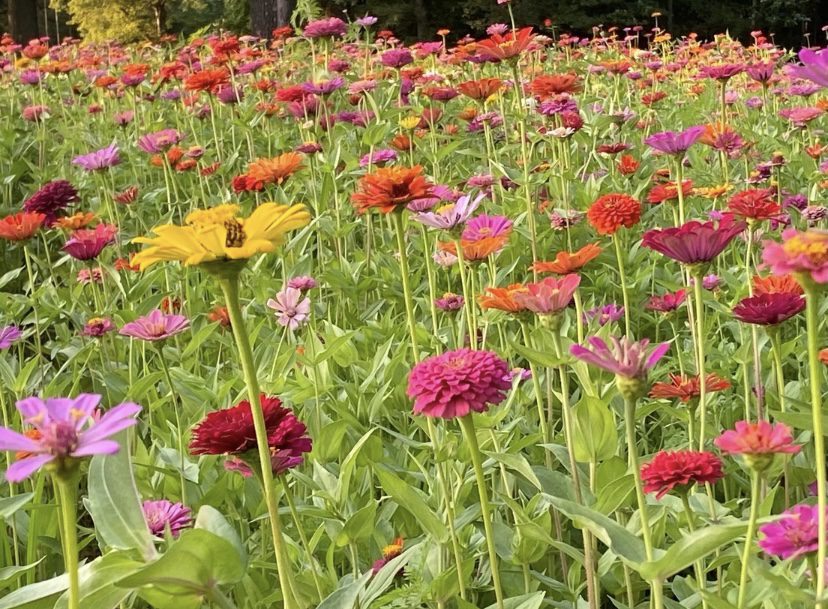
502	299
481	89
550	85
823	356
776	284
275	170
566	262
390	188
479	249
76	221
628	165
687	388
21	226
207	80
610	212
499	48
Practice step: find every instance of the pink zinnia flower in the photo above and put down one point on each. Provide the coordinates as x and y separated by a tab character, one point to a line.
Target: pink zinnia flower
550	295
8	336
668	302
159	141
302	283
87	244
814	66
99	159
291	307
163	514
450	302
758	442
66	429
396	58
800	252
794	534
671	142
450	215
605	314
457	383
769	309
623	357
485	226
694	242
97	326
155	326
321	28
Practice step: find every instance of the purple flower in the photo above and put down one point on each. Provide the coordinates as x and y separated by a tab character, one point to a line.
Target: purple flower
498	29
229	95
8	336
814	66
623	357
302	283
396	58
99	159
794	534
605	314
323	87
710	282
51	199
366	21
159	141
449	302
483	226
378	157
155	326
161	514
322	28
292	309
451	215
64	429
670	142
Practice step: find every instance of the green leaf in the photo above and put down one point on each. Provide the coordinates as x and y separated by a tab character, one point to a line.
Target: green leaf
595	436
410	500
10	505
359	525
210	519
540	358
526	601
618	539
345	597
691	548
10	574
98	587
42	595
114	504
517	463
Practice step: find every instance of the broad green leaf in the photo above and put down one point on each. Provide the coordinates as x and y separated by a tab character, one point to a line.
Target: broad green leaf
114	504
345	597
42	595
691	548
410	500
348	465
10	505
98	587
540	358
9	575
517	463
210	519
359	525
525	601
593	426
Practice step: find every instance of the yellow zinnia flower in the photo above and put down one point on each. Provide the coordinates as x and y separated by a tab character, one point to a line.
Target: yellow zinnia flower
220	234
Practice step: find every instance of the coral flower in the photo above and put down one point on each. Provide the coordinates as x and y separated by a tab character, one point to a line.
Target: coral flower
87	244
390	188
480	90
694	242
805	253
623	357
503	299
209	80
502	47
75	221
754	204
757	442
548	86
794	534
231	432
670	142
769	309
159	141
688	388
219	233
679	470
776	284
457	383
21	226
566	262
612	211
668	302
548	296
162	515
155	326
262	172
669	192
67	429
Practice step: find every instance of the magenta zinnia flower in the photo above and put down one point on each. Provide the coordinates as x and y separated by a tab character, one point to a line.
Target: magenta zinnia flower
161	514
396	58
321	28
623	357
155	326
64	429
97	327
99	159
694	242
769	309
804	253
457	383
486	226
814	66
159	141
550	295
794	534
302	283
87	244
291	307
8	336
670	142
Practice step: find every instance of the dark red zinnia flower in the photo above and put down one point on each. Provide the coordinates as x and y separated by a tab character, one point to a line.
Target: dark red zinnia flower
694	242
51	199
681	468
769	309
231	431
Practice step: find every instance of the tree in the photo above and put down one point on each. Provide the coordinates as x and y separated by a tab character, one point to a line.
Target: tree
22	17
267	15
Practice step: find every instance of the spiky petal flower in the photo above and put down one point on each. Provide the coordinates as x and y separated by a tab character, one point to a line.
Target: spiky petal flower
51	200
457	383
678	470
627	359
162	514
66	429
452	215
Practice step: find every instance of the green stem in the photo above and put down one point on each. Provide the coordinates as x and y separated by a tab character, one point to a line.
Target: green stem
776	350
303	537
467	425
755	484
230	287
699	565
432	289
538	393
67	495
220	600
623	276
177	404
815	374
679	189
468	298
697	301
409	302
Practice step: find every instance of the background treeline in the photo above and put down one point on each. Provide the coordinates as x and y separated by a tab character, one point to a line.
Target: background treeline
794	23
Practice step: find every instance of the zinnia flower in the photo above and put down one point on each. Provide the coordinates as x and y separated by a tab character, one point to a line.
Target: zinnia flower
768	309
605	314
390	188
450	302
503	299
694	242
325	28
668	302
51	199
566	262
97	327
389	553
623	357
21	226
671	142
457	383
758	442
805	253
814	66
162	514
155	326
679	470
795	533
159	141
612	211
502	47
450	215
262	172
292	309
8	336
99	159
775	284
219	234
754	204
67	429
688	388
87	244
548	296
302	283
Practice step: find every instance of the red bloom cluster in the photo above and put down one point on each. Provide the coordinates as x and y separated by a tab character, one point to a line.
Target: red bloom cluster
679	470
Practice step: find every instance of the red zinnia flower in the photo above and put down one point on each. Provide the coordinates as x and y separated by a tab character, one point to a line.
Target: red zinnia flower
680	469
693	242
550	85
389	188
754	204
499	48
669	192
667	302
769	309
21	226
480	90
628	165
687	388
207	80
612	211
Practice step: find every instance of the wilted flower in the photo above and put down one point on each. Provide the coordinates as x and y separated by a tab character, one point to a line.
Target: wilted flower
604	314
450	302
97	326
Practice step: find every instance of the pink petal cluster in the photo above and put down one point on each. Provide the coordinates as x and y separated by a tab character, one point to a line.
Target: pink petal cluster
550	295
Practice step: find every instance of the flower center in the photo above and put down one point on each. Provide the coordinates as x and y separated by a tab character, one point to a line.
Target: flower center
60	438
235	233
814	248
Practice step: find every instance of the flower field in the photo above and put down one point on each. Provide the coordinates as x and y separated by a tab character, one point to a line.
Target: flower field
328	320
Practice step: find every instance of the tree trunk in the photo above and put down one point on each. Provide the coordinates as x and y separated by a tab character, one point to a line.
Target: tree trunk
284	9
267	15
23	24
421	15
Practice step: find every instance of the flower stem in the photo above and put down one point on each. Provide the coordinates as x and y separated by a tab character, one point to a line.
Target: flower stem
815	374
542	417
699	565
230	288
755	485
409	302
697	301
623	276
67	495
179	429
467	425
468	302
